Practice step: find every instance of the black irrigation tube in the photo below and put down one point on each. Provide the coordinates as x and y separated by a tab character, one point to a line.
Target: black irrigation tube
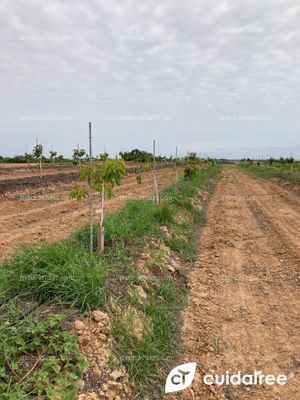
23	315
35	307
26	314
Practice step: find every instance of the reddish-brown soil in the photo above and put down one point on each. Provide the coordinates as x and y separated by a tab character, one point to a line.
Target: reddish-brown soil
16	178
47	214
244	303
17	171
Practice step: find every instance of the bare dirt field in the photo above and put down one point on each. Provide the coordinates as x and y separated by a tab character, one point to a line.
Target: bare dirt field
45	213
244	303
10	171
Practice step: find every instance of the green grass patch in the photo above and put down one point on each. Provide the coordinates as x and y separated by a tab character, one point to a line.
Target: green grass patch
276	170
60	272
137	219
37	359
157	345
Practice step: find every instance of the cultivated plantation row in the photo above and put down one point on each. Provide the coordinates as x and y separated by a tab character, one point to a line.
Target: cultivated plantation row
95	311
50	342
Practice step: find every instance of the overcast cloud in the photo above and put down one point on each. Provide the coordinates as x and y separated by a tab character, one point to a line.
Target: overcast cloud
217	77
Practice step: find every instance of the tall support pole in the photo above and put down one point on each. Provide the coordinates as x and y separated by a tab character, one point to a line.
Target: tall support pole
91	188
156	194
176	171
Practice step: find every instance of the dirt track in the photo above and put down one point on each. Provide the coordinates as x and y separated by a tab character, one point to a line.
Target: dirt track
47	213
244	303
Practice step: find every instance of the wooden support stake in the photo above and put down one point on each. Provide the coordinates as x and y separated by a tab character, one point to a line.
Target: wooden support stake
91	189
176	172
156	194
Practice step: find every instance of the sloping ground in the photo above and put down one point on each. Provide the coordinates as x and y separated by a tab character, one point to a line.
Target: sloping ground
289	184
243	310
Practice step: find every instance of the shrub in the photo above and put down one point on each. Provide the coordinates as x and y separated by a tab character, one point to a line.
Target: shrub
190	171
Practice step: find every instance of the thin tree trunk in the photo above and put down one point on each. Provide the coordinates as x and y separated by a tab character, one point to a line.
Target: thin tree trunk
100	236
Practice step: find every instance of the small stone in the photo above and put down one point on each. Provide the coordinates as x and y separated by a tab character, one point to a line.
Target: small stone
115	386
116	374
81	383
104	387
97	371
165	230
109	395
141	293
98	315
79	325
113	308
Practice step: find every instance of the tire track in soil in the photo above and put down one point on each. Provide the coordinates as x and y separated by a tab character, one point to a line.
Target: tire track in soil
243	309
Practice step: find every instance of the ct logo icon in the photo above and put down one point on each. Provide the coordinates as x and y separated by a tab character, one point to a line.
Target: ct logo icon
180	377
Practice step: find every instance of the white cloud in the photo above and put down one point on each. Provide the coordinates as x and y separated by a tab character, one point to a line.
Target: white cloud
100	59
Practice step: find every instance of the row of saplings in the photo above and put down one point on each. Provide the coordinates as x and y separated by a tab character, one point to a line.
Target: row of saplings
105	176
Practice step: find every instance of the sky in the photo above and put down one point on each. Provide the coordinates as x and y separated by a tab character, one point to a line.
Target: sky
219	77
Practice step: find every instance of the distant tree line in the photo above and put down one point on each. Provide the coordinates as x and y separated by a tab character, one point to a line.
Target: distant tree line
271	160
141	156
30	158
79	155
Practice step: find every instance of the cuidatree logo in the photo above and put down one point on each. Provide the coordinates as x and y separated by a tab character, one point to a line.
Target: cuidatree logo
180	377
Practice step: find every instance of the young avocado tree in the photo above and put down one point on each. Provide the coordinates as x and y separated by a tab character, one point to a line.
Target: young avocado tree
139	170
103	156
190	169
105	176
60	158
290	161
53	155
78	154
37	154
138	179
